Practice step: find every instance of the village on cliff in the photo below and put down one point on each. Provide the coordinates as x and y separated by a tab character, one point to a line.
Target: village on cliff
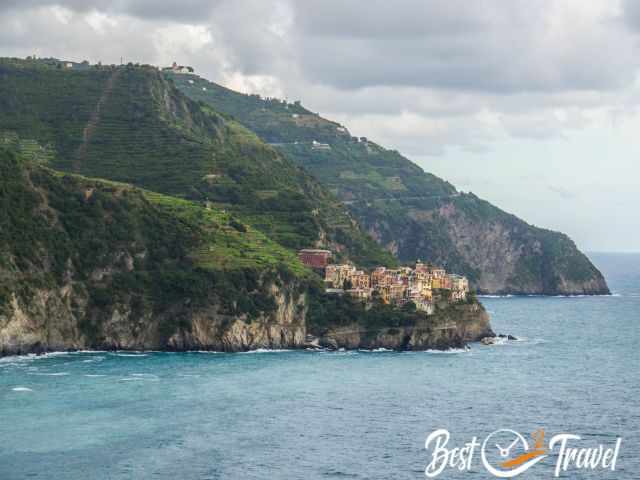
424	285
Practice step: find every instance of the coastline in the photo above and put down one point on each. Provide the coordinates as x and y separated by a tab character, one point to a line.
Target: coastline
145	353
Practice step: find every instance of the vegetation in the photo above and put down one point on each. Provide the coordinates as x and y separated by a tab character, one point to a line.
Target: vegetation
129	124
125	245
330	311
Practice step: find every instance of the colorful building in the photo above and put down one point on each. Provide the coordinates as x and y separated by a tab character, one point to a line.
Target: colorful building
314	258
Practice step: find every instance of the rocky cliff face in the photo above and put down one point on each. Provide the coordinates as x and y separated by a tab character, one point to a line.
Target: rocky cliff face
452	326
63	318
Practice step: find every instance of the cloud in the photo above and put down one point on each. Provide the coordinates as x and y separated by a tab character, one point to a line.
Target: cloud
194	11
486	46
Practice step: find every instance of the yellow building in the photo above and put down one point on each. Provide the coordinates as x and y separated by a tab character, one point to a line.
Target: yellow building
359	279
337	274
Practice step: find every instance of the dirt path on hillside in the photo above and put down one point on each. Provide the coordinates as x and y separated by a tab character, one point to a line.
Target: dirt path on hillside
93	122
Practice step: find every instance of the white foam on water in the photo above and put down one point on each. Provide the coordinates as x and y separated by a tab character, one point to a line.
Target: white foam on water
129	354
376	350
54	374
268	350
31	356
93	375
449	351
21	389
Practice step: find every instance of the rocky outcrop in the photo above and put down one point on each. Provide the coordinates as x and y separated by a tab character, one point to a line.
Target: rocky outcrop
451	327
63	319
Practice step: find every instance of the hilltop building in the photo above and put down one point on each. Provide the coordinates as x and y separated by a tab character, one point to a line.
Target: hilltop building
320	146
314	258
175	68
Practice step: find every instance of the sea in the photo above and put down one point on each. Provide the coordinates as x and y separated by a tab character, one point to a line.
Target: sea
574	369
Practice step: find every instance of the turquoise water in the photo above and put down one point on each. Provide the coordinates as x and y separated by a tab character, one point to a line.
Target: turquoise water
309	415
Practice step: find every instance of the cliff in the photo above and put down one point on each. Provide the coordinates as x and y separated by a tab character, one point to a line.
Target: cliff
411	213
341	322
65	317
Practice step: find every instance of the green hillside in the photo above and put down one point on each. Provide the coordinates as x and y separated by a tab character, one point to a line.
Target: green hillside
112	247
413	214
129	124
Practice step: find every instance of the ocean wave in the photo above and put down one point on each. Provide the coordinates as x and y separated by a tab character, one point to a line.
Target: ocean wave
94	375
50	374
268	350
375	350
117	354
449	351
97	358
31	356
21	389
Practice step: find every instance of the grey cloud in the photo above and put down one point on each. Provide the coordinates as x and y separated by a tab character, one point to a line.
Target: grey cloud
487	46
196	11
631	13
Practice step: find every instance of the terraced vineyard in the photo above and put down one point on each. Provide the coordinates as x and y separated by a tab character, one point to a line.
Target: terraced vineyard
27	148
227	244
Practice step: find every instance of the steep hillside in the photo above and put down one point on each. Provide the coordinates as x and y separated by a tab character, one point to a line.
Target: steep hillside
130	124
93	264
87	263
413	214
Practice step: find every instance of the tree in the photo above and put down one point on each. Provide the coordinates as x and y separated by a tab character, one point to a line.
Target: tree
409	307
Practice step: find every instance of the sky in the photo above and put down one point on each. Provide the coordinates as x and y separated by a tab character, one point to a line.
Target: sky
530	104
